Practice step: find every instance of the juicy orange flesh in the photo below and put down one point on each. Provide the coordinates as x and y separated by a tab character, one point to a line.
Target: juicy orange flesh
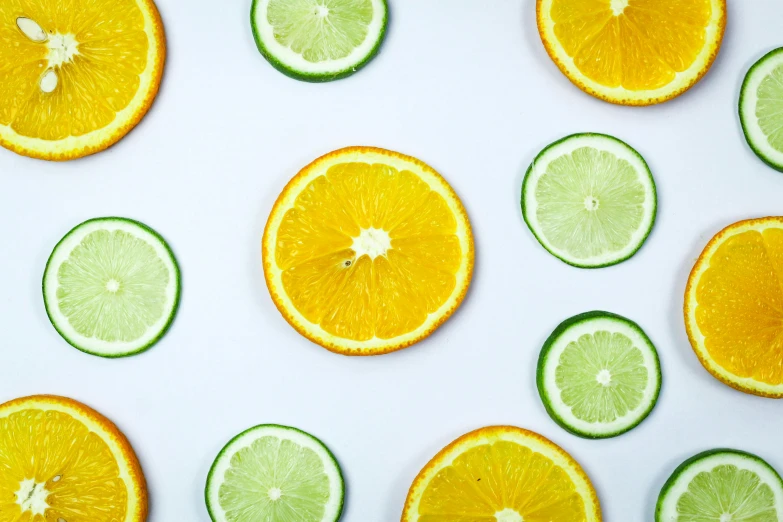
363	298
740	305
492	478
95	83
75	466
643	47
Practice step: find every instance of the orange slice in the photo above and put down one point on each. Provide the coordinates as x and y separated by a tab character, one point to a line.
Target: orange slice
75	77
502	474
60	460
632	52
734	306
367	251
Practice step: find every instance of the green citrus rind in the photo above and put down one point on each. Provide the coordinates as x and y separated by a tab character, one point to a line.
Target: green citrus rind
747	110
632	248
546	393
705	456
327	457
317	77
50	271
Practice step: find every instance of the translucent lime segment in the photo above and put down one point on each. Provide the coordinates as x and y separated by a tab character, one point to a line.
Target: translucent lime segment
601	376
727	493
276	480
769	107
113	286
590	202
320	30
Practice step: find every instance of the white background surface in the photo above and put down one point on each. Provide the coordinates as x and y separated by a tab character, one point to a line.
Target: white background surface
467	87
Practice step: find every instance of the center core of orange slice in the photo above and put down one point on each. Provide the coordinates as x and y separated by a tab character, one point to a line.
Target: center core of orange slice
32	497
508	515
372	242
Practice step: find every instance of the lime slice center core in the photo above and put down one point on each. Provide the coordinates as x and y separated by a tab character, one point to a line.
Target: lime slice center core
372	242
726	517
604	377
322	11
112	285
508	515
32	497
592	203
275	494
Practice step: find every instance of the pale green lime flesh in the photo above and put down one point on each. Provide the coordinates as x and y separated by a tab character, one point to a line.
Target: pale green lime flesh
113	286
320	30
727	493
276	480
590	202
769	108
591	358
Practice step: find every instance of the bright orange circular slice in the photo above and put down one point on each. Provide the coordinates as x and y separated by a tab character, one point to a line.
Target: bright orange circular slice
632	52
75	77
734	306
502	474
60	460
367	251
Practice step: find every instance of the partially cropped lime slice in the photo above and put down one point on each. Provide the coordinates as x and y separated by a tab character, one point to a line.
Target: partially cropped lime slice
111	287
590	200
761	108
722	485
598	375
275	474
319	40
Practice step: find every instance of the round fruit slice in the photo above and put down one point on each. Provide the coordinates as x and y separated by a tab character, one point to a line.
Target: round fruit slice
60	460
319	41
761	108
111	287
76	77
275	473
632	52
598	375
590	200
721	485
367	251
504	474
734	306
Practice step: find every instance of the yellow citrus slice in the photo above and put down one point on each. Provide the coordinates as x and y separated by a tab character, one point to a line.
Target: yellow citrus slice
502	474
60	460
76	76
734	306
367	251
632	52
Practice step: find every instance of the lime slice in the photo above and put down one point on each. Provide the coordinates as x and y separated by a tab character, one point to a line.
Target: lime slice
319	40
598	375
761	108
276	474
590	200
722	485
111	287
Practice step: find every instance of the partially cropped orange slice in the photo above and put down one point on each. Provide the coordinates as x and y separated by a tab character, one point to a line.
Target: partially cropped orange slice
367	251
734	306
76	76
632	52
62	461
502	474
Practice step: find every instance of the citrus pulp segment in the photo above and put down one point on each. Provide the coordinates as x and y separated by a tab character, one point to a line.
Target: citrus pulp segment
632	52
761	108
598	375
111	287
367	251
502	474
590	200
277	474
319	40
60	460
722	485
76	77
734	306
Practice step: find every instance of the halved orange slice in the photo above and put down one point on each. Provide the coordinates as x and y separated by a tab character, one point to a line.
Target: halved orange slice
76	76
502	474
62	461
632	52
734	306
367	251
